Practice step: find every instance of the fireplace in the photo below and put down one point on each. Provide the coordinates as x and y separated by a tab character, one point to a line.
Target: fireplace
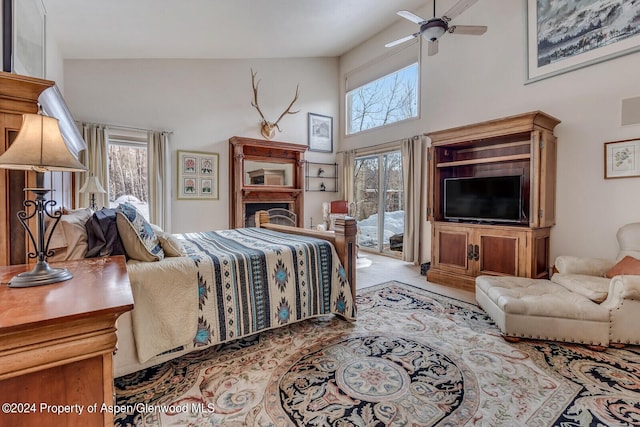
265	175
250	210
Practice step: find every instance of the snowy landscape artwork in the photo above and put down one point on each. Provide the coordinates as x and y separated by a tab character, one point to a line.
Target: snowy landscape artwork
570	34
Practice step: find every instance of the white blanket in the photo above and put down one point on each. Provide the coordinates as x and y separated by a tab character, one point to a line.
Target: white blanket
165	314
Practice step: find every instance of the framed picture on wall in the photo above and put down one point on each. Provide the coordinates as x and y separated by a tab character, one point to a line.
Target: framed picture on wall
599	30
320	133
622	159
27	45
198	175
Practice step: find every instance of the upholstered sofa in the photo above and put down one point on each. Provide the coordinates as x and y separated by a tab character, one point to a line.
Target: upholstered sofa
588	300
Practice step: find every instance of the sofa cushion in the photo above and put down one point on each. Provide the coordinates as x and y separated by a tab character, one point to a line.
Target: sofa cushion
593	287
627	266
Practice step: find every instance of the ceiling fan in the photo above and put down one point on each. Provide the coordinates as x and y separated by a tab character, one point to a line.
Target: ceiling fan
432	29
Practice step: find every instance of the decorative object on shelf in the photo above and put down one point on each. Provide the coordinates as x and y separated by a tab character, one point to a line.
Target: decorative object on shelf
39	147
320	133
602	31
92	186
622	159
321	177
267	128
198	176
23	45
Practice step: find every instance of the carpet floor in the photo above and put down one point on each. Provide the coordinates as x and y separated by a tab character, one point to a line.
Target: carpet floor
413	358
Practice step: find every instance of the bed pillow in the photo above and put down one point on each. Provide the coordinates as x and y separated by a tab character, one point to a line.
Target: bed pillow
69	239
627	266
138	238
171	245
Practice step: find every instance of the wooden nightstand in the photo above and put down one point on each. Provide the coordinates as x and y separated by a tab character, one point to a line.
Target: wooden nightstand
57	343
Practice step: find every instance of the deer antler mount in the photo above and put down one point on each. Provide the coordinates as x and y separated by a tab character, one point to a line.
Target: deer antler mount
267	128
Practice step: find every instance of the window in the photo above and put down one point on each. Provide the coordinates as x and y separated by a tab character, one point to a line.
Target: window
127	169
389	99
379	199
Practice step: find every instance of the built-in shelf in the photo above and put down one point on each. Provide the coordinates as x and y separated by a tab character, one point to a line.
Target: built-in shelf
321	177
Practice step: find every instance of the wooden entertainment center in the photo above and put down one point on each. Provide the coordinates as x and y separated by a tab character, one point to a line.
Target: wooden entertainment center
522	145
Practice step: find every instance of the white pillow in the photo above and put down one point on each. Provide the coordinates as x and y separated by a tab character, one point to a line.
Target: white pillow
69	239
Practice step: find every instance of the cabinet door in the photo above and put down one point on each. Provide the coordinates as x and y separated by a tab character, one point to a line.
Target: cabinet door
451	249
500	252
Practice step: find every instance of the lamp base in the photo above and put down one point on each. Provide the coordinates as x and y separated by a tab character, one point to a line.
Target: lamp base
42	274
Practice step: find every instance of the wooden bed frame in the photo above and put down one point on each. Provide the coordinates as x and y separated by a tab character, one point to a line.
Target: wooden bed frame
343	239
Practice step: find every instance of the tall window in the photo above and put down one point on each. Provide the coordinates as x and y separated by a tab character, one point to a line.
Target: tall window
379	198
128	180
387	100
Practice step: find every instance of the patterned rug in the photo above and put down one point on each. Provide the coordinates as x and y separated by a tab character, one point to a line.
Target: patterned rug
413	358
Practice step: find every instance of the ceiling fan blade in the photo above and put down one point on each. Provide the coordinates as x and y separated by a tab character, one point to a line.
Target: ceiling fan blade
411	17
473	30
432	47
402	40
457	9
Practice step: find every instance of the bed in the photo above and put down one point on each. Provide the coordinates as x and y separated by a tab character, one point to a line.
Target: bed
232	284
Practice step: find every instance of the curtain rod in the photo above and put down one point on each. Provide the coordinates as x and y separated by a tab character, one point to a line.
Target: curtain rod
381	145
170	132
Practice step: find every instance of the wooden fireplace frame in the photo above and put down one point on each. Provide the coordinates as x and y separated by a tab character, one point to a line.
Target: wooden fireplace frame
242	149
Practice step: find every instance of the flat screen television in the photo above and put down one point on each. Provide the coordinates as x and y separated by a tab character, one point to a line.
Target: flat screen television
490	199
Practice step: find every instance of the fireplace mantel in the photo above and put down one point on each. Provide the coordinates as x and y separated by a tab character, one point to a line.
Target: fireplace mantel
248	154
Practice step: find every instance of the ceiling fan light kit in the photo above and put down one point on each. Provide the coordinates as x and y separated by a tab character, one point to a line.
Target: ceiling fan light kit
435	27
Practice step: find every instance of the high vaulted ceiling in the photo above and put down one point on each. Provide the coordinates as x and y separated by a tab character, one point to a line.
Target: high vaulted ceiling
217	28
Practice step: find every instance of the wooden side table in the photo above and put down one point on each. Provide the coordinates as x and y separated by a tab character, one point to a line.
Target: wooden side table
57	343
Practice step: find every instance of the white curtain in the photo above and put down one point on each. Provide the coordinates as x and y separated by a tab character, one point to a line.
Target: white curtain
347	175
95	158
412	150
159	180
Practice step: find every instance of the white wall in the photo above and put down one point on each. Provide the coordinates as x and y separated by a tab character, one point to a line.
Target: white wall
474	79
204	103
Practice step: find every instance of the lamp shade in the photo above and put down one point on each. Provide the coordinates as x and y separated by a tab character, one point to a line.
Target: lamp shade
92	185
39	146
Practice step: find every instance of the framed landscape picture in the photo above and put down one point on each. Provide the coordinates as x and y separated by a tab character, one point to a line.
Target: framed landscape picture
622	159
198	175
320	133
565	36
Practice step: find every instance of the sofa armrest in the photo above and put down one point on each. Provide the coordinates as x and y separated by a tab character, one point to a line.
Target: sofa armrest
580	265
622	288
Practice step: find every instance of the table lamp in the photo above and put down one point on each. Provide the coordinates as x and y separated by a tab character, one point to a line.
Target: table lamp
39	146
92	186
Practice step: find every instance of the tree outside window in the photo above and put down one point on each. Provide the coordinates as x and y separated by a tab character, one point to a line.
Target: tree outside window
387	100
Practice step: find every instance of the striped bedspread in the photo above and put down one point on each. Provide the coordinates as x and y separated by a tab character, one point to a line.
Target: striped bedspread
248	280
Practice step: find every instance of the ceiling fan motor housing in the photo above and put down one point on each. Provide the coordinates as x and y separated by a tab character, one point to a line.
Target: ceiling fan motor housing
433	29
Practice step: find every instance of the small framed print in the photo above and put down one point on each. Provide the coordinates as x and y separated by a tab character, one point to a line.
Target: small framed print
622	159
320	133
198	175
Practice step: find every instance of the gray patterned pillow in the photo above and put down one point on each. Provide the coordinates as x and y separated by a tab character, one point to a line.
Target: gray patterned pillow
138	238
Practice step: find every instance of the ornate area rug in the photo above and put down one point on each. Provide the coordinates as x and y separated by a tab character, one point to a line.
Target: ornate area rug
413	358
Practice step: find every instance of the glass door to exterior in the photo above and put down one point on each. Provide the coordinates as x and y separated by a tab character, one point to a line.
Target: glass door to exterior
379	201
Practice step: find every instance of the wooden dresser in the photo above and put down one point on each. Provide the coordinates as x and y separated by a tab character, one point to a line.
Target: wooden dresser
57	343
